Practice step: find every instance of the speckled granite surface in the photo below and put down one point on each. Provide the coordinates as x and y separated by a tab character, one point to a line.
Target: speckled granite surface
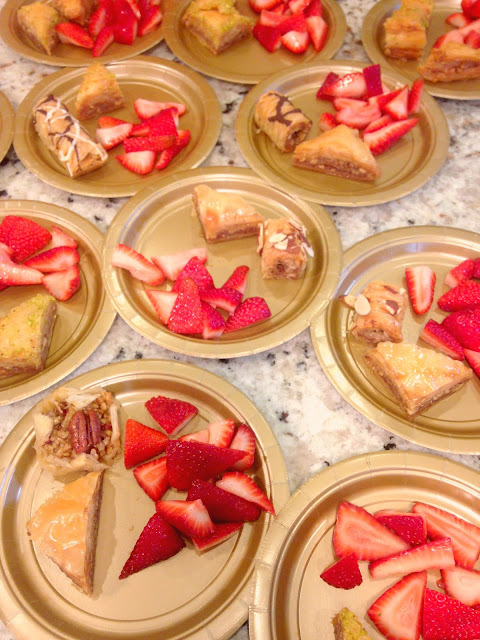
314	425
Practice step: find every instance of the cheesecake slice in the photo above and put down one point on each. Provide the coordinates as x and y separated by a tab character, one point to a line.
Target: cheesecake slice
452	61
25	335
99	93
338	152
417	377
346	626
65	528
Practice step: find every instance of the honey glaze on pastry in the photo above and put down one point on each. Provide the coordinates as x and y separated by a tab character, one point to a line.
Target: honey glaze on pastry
283	247
284	124
406	29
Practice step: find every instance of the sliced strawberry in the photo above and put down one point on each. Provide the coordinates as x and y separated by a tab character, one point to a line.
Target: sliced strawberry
110	11
445	618
142	269
330	79
171	414
431	555
465	327
379	123
6	253
373	79
238	279
398	107
358	117
189	460
98	21
381	140
221	532
165	122
244	440
146	109
62	284
269	37
472	39
421	287
183	138
134	7
410	527
248	312
270	18
25	237
150	21
152	477
104	39
189	517
460	273
222	505
464	296
415	96
473	359
344	574
397	613
221	433
242	485
343	103
72	33
357	531
296	41
294	22
196	270
125	29
465	537
468	8
457	20
56	259
112	136
213	322
158	541
225	298
462	584
173	263
106	122
298	5
165	158
12	274
149	143
141	162
352	85
162	302
197	436
327	122
141	443
62	239
259	5
187	314
314	8
451	36
438	337
384	98
317	30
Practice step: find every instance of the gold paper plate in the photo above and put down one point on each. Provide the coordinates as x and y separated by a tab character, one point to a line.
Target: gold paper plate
142	77
7	117
289	599
82	322
405	167
159	220
373	41
247	61
450	425
188	597
66	55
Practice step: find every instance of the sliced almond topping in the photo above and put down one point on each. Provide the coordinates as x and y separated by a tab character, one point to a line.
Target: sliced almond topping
348	301
277	237
362	305
308	249
281	246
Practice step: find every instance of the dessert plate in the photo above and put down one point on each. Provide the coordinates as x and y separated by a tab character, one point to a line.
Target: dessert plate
373	41
159	220
405	167
247	61
451	424
189	597
289	599
142	77
7	117
82	322
66	55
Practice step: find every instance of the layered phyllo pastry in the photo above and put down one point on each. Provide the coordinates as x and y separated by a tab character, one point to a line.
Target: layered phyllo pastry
338	152
216	23
452	61
37	22
75	10
281	121
346	626
99	93
283	248
406	29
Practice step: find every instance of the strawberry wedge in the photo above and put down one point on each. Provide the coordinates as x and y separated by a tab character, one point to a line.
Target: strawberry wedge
432	555
445	618
344	574
189	517
411	527
221	532
242	485
462	584
140	268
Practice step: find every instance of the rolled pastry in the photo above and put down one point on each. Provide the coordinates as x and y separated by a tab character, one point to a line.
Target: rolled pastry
64	136
284	124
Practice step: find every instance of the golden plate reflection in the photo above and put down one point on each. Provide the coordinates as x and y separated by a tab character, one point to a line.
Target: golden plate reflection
7	117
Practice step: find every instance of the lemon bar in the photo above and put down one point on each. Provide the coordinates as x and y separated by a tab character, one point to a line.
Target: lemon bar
37	21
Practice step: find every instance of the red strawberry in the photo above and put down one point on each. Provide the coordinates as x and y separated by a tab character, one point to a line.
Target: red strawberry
437	336
317	30
152	477
170	413
134	8
462	584
471	8
343	103
189	517
465	327
164	123
6	253
473	359
141	443
149	22
222	505
97	21
373	79
62	284
415	96
344	574
298	5
397	613
158	541
465	537
410	527
198	436
149	143
187	314
398	107
330	79
473	40
12	273
146	109
270	18
421	287
189	460
104	39
62	239
165	158
105	122
108	5
24	236
358	117
327	122
457	20
381	140
259	5
56	259
352	85
196	270
125	29
248	312
172	263
221	532
238	279
460	273
379	123
296	41
269	37
225	298
314	8
431	555
447	619
242	485
213	322
162	302
72	33
356	531
142	269
451	36
221	433
466	295
244	440
384	98
141	162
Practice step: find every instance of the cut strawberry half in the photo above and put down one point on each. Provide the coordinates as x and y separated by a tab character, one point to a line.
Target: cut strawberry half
150	20
357	531
298	5
152	477
222	505
194	269
259	5
351	85
466	295
465	327
381	140
112	136
473	359
149	143
12	274
318	31
438	337
384	98
472	39
125	29
410	527
314	8
471	8
165	158
327	122
140	268
270	18
221	433
358	117
213	322
463	585
162	302
173	263
354	103
140	162
373	80
134	8
431	555
189	517
398	107
146	109
62	284
221	532
248	312
25	237
445	618
97	21
56	259
108	5
421	287
296	41
187	315
269	37
104	39
197	436
415	96
171	414
158	541
62	239
242	485
106	122
397	613
295	22
238	279
460	273
225	298
244	440
141	443
330	79
72	33
344	574
457	20
379	123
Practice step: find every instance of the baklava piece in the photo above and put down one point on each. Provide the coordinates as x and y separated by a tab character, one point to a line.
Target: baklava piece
283	247
216	23
452	61
338	152
75	10
406	29
99	93
281	121
37	22
224	216
417	377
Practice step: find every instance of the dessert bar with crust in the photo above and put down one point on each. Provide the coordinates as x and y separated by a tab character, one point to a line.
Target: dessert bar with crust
75	10
452	61
99	93
338	152
406	29
417	377
346	626
283	247
37	21
224	216
281	121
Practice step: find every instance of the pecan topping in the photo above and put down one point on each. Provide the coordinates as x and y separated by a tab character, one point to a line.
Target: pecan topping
78	429
95	426
391	289
392	306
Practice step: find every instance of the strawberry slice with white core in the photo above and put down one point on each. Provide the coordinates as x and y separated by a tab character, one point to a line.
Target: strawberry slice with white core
379	123
152	477
358	117
317	30
141	162
171	264
259	5
142	269
196	270
62	284
432	555
298	5
72	33
436	335
397	613
197	436
383	98
398	107
357	531
327	122
104	39
354	103
411	527
415	96
213	322
270	18
269	37
222	505
242	485
162	302
457	20
12	273
221	432
225	298
421	287
296	41
221	533
148	143
171	414
381	140
97	21
147	108
6	253
473	359
352	85
330	79
191	518
460	273
238	279
149	22
56	259
105	122
62	239
244	440
248	312
462	584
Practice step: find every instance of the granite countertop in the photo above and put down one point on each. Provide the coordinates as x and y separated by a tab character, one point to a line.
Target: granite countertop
314	425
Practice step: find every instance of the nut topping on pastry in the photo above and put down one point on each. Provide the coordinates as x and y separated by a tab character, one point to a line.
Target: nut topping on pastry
78	429
348	301
95	426
362	305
